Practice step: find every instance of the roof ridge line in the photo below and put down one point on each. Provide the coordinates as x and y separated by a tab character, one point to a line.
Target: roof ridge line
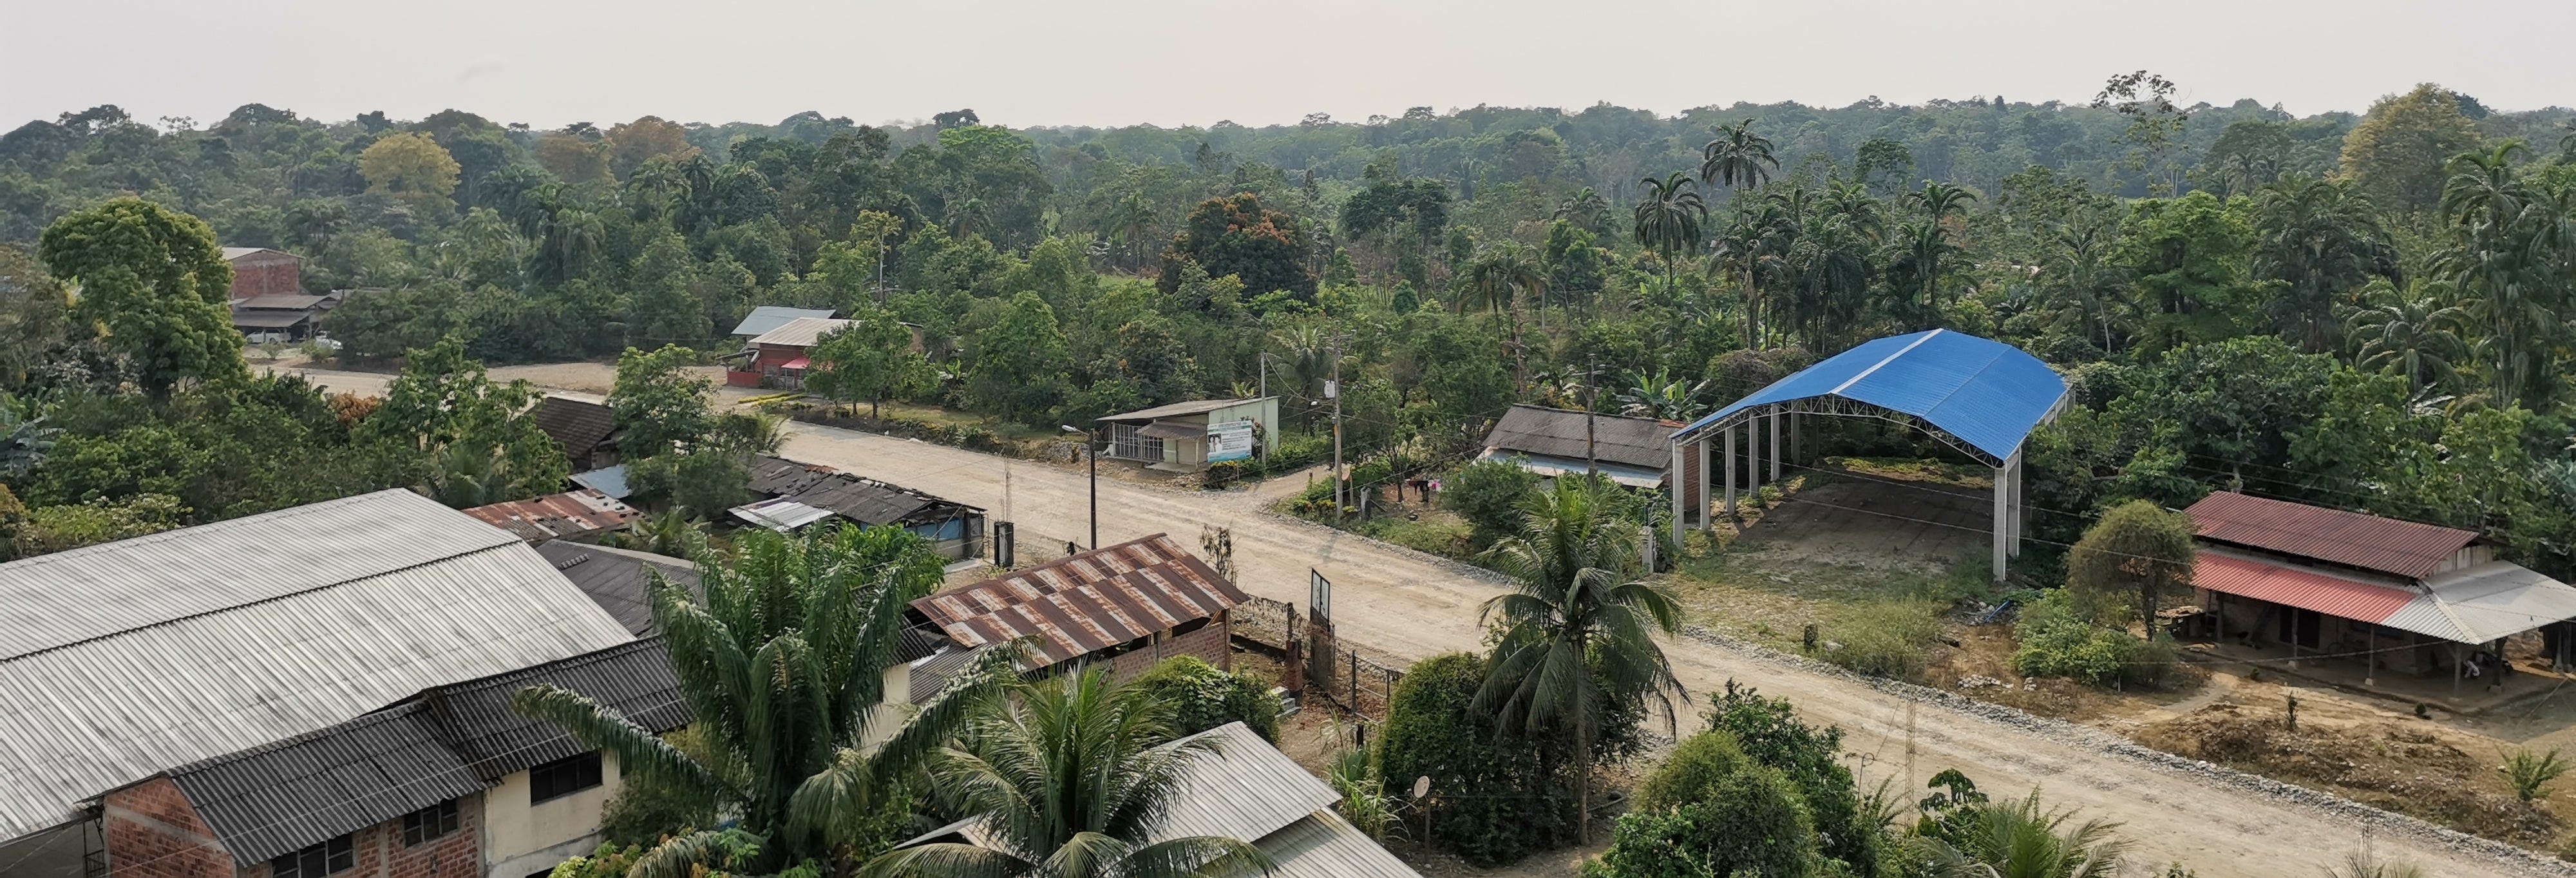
4	659
1874	367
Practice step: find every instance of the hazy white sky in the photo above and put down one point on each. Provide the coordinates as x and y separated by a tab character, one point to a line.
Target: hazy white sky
1110	62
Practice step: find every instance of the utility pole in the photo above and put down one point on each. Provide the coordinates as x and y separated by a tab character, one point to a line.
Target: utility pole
1333	389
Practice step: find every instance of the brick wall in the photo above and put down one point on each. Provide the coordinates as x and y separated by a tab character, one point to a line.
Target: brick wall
1212	643
381	853
267	274
152	832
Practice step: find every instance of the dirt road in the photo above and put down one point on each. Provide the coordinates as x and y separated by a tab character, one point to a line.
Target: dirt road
1412	605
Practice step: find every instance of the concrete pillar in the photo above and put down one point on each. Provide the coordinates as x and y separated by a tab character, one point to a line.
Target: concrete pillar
1707	481
1753	454
2002	523
2020	512
1730	474
1775	446
1677	483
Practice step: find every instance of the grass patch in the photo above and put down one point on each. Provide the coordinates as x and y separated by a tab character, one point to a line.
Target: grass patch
1914	469
1439	533
1891	638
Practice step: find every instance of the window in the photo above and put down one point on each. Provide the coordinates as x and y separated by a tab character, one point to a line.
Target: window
328	858
563	777
429	823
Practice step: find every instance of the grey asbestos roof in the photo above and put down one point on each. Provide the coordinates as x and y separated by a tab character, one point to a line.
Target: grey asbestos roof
1193	407
1248	790
767	317
618	580
281	797
1547	432
475	716
122	660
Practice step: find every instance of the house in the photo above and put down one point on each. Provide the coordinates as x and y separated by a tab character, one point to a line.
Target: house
1245	789
1130	605
122	660
2418	599
1636	452
583	515
586	430
260	271
448	782
795	495
767	317
290	317
778	357
1187	436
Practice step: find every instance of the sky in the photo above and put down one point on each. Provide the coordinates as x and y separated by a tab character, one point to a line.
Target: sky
1030	63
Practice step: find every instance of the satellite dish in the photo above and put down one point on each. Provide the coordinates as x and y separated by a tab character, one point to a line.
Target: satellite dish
1422	786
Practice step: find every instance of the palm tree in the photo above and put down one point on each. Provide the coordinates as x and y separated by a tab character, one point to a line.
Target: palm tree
2414	334
1737	159
2079	269
24	439
2508	255
1661	395
1668	219
2322	240
1578	626
783	668
1940	201
1073	778
2019	839
1133	220
1586	209
1504	272
1915	274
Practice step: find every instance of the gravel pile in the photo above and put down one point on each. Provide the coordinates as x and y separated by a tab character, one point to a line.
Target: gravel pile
2072	734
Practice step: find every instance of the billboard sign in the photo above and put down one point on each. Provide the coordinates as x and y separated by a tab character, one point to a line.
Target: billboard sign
1231	440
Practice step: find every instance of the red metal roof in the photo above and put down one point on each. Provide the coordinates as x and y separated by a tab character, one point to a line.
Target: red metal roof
1088	602
798	363
569	514
2405	548
2305	589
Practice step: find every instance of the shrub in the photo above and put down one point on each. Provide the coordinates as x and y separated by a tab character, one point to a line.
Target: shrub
1205	697
2529	772
2056	641
1490	803
1711	810
1890	639
1488	494
1767	730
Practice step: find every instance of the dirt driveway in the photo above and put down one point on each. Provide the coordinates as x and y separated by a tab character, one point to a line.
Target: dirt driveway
1413	605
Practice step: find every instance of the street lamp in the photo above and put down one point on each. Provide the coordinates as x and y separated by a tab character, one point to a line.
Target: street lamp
1094	455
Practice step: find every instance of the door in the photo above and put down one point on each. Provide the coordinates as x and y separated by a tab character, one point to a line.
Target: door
2301	626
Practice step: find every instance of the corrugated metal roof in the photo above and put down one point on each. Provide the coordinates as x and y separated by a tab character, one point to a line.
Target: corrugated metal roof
232	253
1326	846
1987	393
2476	605
1088	602
606	480
1540	432
2255	578
569	514
780	514
1552	467
577	425
802	332
1245	790
270	319
2405	548
1193	407
280	303
618	580
122	660
474	716
767	317
863	500
280	797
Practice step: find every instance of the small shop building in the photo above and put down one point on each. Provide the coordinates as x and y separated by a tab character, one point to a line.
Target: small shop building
1188	436
2389	598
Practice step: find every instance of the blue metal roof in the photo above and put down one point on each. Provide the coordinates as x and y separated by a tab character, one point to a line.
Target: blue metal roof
1987	393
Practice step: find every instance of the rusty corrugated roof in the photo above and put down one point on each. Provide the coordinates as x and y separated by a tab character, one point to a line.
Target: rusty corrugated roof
2404	548
2245	576
1087	602
569	514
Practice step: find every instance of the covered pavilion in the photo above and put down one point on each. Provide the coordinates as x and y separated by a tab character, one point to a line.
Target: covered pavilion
1978	396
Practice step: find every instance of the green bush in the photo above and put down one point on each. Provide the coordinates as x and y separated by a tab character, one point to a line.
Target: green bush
1713	811
2057	641
1488	494
1490	803
1767	730
1205	697
1890	639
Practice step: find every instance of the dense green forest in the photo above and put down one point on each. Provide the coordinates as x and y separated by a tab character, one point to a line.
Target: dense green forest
2370	311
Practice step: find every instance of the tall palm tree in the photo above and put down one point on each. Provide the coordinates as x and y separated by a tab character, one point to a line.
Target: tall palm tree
2413	332
1738	159
1923	250
2322	240
783	669
1133	220
1073	778
2511	243
1500	276
1586	209
1941	201
2020	839
1669	217
1578	625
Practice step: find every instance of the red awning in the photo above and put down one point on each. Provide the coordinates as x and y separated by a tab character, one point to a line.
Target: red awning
2304	589
798	363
